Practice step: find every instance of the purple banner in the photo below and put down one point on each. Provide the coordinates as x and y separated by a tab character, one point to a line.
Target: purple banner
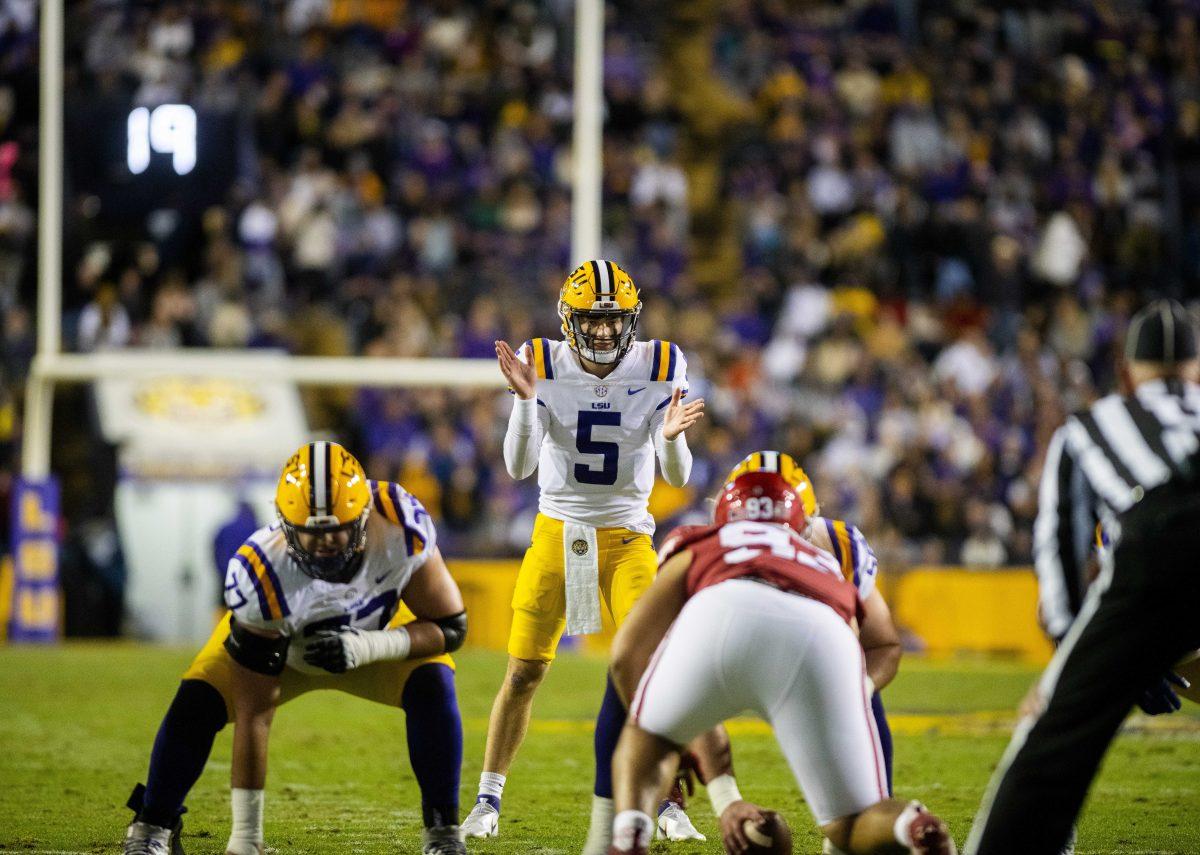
36	605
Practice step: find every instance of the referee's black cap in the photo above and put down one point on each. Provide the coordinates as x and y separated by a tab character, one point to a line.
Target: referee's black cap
1162	332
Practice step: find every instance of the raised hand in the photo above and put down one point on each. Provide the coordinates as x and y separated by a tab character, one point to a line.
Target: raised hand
680	416
521	376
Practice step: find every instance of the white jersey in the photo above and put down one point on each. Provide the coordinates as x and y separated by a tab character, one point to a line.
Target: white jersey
266	589
596	462
847	544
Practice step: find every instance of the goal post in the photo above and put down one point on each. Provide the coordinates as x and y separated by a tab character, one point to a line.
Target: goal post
36	602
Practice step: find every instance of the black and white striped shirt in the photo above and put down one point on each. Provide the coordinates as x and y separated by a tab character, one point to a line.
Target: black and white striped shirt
1100	463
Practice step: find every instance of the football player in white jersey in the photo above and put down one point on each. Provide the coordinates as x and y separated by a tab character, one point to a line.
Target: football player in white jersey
347	590
590	414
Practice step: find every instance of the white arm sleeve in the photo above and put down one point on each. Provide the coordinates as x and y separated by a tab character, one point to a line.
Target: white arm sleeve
674	458
523	439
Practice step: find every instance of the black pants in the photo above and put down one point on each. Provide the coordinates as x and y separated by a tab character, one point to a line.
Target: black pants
1134	626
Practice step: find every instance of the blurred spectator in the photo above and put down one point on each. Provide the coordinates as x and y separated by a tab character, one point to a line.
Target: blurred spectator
939	218
104	323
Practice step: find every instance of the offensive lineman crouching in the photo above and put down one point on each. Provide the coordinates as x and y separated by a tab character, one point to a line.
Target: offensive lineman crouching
747	614
315	603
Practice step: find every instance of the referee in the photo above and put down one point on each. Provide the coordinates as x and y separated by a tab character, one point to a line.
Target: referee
1132	463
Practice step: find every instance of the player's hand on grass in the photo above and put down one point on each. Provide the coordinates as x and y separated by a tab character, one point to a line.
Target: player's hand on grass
1160	696
681	416
733	833
521	376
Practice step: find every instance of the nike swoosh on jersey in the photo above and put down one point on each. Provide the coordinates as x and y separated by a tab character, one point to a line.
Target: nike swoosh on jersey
384	576
635	391
625	541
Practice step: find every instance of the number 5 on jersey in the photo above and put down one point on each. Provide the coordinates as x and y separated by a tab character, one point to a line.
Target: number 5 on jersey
606	474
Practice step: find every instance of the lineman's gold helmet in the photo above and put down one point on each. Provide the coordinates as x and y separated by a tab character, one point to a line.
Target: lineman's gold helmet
324	490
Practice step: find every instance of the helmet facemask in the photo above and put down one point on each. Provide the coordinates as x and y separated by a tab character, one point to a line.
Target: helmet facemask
584	343
339	567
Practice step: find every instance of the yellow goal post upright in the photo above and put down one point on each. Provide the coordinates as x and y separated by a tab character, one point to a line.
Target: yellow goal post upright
35	612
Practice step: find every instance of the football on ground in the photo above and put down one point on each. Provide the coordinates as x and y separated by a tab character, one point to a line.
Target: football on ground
774	837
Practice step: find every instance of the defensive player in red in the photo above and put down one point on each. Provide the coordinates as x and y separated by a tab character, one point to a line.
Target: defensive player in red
747	615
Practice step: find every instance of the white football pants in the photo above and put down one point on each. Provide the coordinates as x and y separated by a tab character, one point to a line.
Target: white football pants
742	645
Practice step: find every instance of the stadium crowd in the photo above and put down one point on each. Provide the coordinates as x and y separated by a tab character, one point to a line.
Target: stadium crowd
944	219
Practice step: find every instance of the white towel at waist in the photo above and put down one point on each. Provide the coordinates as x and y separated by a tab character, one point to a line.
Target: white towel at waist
581	561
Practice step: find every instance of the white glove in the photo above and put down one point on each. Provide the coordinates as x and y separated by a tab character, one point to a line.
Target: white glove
340	650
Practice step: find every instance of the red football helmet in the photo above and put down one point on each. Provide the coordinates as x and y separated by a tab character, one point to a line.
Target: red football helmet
761	497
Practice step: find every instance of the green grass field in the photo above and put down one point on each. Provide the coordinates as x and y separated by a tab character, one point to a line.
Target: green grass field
76	724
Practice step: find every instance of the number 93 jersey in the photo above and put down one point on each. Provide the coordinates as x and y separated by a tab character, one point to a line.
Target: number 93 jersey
266	589
596	463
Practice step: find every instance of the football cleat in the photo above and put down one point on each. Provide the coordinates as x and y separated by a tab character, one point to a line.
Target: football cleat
136	802
635	837
482	821
674	824
142	838
929	834
442	840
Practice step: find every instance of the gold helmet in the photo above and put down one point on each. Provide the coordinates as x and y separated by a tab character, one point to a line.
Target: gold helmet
786	466
323	490
599	290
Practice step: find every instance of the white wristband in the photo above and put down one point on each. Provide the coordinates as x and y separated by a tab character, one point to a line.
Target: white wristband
365	646
246	837
722	792
524	415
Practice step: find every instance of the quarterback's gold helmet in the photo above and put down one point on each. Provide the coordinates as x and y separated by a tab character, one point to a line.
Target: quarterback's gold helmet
323	490
595	292
785	465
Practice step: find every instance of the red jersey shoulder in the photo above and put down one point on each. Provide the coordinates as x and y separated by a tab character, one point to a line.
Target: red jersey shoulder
681	537
770	553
